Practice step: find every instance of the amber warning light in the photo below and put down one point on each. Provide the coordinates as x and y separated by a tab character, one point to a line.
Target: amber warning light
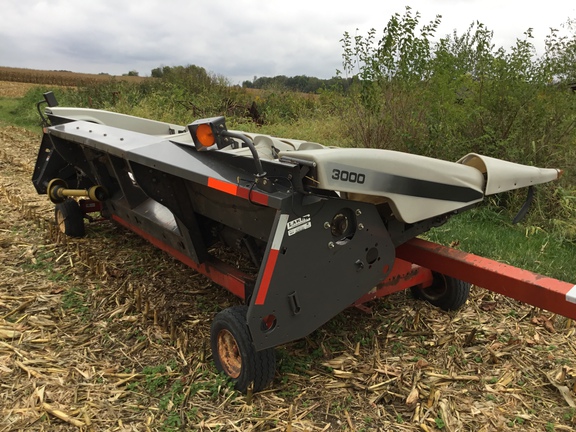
207	132
204	135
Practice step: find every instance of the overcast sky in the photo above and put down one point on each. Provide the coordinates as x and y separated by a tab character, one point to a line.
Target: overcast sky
238	39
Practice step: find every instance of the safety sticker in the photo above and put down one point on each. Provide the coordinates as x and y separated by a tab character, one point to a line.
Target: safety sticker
299	224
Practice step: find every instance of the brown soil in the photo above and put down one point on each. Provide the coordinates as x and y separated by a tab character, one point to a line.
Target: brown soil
107	333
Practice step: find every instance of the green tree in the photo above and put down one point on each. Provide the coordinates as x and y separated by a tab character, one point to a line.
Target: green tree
157	72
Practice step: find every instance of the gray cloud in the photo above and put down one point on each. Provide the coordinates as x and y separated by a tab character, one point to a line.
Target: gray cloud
239	39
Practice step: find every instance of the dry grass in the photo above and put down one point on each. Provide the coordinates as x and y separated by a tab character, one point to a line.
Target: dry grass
108	333
58	78
10	89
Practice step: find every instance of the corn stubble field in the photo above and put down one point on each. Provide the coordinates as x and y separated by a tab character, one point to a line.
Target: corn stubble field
57	78
107	333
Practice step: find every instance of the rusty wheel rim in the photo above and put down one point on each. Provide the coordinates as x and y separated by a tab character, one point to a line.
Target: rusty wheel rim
60	221
229	354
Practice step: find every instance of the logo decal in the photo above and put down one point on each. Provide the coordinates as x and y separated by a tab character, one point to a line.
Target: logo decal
299	224
348	176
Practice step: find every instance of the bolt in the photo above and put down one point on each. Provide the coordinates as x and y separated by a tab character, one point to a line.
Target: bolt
326	225
331	245
360	226
358	212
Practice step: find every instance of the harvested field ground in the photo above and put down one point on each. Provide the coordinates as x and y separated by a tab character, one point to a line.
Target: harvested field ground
10	89
58	78
107	333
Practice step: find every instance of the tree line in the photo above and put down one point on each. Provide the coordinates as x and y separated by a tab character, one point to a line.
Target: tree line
298	83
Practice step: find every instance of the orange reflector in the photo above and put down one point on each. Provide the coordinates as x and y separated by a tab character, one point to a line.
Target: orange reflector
229	188
204	135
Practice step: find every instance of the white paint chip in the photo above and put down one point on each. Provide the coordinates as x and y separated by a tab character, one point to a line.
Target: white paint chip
571	295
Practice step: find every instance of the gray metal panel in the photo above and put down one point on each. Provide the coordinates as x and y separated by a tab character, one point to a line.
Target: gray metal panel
118	120
105	138
313	276
145	149
159	214
184	162
167	156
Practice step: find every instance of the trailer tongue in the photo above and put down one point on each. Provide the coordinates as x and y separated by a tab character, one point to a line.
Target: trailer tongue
326	227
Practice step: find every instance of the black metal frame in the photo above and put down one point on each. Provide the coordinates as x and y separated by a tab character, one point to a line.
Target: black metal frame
316	252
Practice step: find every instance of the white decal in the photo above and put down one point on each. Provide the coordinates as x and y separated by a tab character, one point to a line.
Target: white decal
299	228
299	224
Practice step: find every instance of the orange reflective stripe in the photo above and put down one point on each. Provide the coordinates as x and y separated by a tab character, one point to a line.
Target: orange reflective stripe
267	277
234	189
223	186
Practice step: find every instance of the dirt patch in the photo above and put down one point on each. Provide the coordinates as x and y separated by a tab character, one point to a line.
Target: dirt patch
109	333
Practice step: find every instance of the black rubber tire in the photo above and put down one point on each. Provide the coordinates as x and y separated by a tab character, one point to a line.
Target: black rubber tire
69	218
249	366
446	292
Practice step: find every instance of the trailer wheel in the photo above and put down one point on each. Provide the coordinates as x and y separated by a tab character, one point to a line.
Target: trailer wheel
446	292
234	353
69	218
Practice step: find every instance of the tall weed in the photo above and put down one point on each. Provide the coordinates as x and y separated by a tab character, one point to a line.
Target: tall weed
462	94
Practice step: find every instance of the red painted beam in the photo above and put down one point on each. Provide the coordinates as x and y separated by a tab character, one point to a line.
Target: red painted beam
404	275
221	273
537	290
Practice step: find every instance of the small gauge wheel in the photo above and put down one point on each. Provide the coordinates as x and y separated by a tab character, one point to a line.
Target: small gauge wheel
235	355
70	218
